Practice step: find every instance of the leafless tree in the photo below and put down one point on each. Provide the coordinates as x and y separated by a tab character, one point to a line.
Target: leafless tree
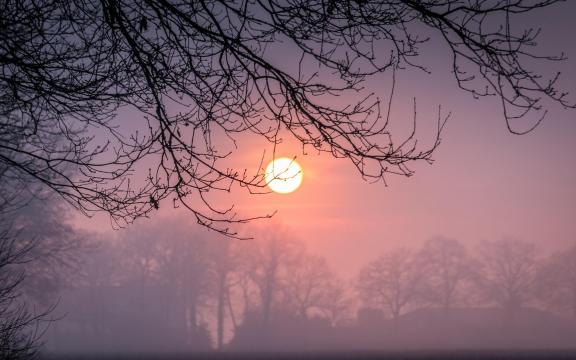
38	250
19	327
448	269
268	262
508	272
311	288
393	282
21	324
101	265
198	73
170	256
223	271
556	283
59	251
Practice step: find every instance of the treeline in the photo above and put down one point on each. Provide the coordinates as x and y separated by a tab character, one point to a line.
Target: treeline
508	274
162	285
40	255
198	288
162	278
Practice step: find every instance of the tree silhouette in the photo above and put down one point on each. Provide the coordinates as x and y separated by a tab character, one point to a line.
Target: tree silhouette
223	267
311	288
268	262
393	282
447	268
174	260
19	326
39	251
556	283
198	73
508	272
59	249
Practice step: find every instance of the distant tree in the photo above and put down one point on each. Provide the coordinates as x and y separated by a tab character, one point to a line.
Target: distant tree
102	264
243	294
508	273
273	276
267	262
197	73
35	254
170	256
184	266
340	310
393	282
59	252
145	289
223	267
39	250
140	249
448	269
311	288
19	326
556	281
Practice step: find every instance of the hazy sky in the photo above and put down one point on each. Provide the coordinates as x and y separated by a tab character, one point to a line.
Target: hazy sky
484	185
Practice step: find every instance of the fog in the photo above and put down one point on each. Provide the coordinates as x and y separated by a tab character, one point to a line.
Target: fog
117	241
165	287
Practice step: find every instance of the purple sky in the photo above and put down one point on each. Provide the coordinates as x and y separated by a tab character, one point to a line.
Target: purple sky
485	184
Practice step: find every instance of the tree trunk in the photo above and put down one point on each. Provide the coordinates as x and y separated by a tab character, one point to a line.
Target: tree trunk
220	311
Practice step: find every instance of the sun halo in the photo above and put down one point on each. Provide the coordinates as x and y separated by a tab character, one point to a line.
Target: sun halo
283	175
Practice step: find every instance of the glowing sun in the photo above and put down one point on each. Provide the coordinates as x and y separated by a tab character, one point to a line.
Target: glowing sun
283	175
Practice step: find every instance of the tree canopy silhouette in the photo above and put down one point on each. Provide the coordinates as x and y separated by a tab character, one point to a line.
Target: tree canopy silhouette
201	72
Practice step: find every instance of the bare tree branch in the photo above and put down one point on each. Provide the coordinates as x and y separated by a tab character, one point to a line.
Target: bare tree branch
199	74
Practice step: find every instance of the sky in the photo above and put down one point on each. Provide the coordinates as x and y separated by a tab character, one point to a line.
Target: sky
485	183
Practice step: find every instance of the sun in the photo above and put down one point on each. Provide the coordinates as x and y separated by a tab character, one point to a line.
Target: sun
283	175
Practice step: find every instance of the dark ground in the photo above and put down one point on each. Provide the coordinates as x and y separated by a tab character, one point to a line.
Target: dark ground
396	355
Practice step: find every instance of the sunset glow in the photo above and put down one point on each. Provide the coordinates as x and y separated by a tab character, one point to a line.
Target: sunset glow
283	175
152	194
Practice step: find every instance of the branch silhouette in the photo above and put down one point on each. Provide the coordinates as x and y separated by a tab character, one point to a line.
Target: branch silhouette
193	71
